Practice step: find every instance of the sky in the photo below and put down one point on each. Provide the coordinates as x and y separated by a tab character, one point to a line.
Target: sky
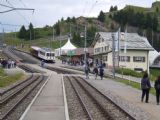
48	12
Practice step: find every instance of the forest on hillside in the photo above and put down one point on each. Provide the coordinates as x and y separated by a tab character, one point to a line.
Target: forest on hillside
146	22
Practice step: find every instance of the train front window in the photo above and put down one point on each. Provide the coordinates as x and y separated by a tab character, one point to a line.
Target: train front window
52	54
48	54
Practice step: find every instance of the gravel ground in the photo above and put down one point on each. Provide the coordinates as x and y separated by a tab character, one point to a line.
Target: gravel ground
132	109
75	109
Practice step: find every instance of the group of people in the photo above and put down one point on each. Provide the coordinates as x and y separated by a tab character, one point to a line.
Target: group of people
97	71
7	63
146	85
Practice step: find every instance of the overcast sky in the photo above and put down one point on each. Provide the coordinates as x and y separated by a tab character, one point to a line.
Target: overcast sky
47	12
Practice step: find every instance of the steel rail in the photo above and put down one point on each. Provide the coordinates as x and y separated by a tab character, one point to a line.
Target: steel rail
10	96
93	98
21	99
80	99
107	98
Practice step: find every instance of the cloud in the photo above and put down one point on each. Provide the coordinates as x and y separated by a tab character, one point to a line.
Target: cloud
50	11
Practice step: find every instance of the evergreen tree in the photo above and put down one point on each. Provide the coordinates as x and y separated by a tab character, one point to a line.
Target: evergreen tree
57	28
111	9
115	8
74	19
30	32
101	16
68	19
22	32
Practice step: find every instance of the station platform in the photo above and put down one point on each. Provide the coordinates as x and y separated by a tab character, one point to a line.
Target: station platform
50	105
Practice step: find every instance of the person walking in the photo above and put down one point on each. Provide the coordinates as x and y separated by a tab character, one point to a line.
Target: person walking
95	71
42	63
145	86
101	72
86	70
157	88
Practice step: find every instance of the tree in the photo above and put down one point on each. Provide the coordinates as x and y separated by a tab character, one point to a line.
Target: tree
22	32
57	28
30	32
68	19
101	16
62	19
111	9
157	9
74	19
155	22
115	8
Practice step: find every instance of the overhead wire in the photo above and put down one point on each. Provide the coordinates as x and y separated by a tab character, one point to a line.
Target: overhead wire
18	13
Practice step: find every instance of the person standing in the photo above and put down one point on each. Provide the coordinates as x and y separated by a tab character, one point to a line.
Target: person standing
101	72
95	71
157	88
145	86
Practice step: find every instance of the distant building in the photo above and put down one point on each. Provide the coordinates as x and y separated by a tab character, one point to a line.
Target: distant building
136	55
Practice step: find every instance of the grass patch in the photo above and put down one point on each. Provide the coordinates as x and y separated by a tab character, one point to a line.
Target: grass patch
130	72
8	80
153	73
133	84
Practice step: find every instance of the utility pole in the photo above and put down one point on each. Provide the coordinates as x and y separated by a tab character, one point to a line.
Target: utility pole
113	53
60	43
85	44
3	36
30	36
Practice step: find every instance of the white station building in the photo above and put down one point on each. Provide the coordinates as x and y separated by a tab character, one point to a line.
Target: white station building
133	50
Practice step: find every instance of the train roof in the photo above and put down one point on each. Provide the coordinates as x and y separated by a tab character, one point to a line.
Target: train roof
44	49
35	48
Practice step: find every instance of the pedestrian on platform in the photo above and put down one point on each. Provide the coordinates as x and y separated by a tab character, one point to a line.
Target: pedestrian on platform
101	72
86	70
95	71
145	86
157	88
42	63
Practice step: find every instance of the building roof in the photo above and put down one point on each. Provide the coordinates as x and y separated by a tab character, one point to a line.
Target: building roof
133	40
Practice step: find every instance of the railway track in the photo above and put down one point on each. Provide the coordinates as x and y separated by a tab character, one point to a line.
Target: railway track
15	55
60	70
95	104
13	97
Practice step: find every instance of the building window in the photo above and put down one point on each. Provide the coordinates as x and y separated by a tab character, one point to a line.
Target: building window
138	59
105	58
105	48
124	58
102	40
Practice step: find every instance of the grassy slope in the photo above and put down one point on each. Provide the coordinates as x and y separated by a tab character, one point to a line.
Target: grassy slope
42	42
7	80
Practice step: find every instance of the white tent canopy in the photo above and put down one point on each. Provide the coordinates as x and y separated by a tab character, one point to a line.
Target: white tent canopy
152	56
64	49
